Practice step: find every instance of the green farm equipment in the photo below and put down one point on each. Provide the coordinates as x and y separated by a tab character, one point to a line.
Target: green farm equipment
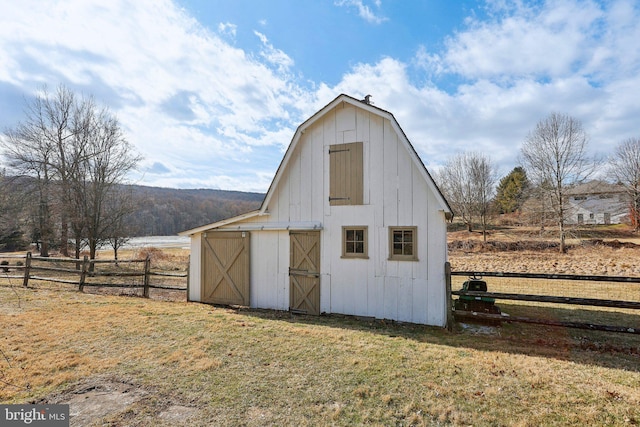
476	303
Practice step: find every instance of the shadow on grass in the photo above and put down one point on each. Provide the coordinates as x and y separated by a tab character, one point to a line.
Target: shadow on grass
606	349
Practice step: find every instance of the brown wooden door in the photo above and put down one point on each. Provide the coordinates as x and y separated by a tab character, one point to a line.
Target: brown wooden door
225	268
304	272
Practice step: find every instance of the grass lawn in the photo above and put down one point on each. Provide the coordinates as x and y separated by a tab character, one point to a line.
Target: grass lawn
192	364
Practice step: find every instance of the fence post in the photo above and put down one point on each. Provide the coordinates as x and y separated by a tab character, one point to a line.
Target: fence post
447	281
27	270
147	271
83	273
188	275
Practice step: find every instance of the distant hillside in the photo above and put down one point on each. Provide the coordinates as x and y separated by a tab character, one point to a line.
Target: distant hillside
167	211
158	211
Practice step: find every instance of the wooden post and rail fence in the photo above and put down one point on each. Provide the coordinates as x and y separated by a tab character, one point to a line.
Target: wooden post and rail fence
87	272
632	302
79	271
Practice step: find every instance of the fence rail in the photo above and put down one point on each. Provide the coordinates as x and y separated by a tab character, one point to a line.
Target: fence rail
552	299
85	269
546	298
618	279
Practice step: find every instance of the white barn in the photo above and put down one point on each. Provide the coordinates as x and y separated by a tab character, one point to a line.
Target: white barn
352	223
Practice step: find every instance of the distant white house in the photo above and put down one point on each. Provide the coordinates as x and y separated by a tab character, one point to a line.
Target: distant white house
597	202
352	223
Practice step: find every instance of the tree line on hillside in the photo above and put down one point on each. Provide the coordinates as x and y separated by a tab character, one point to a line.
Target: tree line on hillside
554	160
155	212
65	184
166	211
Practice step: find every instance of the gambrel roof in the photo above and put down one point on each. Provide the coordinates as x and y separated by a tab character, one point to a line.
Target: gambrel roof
372	109
442	202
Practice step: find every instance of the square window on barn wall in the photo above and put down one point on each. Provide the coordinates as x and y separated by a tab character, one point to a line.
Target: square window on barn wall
403	243
354	242
346	174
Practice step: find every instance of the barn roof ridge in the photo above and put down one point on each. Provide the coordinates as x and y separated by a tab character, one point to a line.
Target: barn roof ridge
366	106
294	141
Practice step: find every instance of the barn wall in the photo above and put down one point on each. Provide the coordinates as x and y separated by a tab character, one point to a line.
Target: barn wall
436	293
395	194
195	264
270	270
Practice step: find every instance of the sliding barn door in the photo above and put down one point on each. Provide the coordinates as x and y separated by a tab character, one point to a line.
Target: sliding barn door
304	272
225	268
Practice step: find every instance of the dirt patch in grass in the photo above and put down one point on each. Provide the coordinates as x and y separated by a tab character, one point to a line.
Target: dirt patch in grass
108	398
97	398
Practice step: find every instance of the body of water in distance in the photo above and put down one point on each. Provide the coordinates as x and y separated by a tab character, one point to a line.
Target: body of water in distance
158	242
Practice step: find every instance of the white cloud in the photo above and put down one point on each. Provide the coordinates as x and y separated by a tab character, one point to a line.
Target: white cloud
575	58
206	113
364	11
227	28
549	40
182	94
274	56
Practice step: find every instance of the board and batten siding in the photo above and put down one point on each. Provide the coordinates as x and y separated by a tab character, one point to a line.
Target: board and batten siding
195	265
375	287
395	194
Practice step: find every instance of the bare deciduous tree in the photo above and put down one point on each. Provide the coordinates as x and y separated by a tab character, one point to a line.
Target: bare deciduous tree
29	152
468	181
454	182
109	157
77	152
625	167
118	229
483	177
555	157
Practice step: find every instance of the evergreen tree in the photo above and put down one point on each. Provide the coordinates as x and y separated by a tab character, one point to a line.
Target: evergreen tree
511	190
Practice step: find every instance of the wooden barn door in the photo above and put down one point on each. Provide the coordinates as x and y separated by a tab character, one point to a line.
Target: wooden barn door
225	268
304	272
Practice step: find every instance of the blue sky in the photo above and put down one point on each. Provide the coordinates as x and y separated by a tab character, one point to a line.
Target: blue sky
210	92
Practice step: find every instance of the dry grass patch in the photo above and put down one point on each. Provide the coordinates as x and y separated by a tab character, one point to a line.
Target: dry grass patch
166	259
194	364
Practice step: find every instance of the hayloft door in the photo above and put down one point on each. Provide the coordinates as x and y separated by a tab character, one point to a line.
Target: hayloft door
304	272
225	268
